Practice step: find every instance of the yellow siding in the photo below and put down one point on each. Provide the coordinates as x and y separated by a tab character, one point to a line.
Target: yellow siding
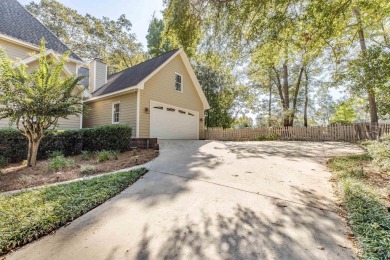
100	112
161	88
16	52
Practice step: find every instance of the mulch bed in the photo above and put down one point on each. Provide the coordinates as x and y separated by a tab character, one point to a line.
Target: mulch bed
16	176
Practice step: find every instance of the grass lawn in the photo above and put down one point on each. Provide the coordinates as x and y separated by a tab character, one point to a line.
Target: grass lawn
365	192
29	215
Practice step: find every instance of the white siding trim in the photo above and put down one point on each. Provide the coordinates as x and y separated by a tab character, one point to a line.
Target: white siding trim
138	113
94	75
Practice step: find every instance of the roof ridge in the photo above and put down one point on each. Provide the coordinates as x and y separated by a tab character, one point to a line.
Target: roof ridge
47	29
144	61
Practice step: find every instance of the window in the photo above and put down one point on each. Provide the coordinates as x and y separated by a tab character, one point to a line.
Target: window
178	83
115	112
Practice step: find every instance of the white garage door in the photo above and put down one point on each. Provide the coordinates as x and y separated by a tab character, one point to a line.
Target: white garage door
170	122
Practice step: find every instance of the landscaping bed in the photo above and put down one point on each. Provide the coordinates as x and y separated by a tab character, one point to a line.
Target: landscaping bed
59	168
29	215
363	184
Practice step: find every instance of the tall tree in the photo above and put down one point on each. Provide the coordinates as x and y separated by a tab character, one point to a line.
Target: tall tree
156	43
35	101
90	37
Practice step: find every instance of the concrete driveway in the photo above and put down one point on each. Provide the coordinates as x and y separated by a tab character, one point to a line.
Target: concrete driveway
215	200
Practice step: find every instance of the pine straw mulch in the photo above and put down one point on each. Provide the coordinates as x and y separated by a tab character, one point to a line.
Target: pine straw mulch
16	176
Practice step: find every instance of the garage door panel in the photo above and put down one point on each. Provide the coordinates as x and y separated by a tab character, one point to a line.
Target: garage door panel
169	122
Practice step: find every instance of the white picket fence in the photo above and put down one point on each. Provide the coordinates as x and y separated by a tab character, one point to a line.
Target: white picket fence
350	133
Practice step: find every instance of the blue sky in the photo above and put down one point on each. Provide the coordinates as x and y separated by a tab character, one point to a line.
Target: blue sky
139	12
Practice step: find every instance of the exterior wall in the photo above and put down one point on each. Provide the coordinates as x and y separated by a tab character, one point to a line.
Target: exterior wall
17	52
101	74
100	111
92	68
161	88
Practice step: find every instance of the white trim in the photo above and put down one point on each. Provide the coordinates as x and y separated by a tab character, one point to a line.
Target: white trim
105	75
52	53
112	113
138	113
32	46
81	121
181	83
177	108
119	92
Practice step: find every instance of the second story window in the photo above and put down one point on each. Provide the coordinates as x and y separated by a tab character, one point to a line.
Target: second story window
115	113
178	83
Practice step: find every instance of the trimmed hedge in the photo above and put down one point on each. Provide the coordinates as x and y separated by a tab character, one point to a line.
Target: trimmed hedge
13	146
110	137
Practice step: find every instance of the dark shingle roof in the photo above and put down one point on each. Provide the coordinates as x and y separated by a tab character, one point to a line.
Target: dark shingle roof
133	75
17	22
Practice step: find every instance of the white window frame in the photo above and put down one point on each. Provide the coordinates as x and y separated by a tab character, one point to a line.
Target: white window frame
181	76
113	110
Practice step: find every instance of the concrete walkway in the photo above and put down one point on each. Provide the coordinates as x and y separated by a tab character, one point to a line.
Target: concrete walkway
215	200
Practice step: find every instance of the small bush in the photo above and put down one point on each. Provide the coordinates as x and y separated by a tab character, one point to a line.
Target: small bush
3	161
87	155
115	154
270	137
87	169
380	153
60	162
13	145
103	156
55	154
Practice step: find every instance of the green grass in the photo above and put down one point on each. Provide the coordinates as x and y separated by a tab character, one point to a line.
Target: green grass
103	156
29	215
87	169
367	214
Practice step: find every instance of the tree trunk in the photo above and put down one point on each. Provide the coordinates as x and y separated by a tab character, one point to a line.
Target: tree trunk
286	103
34	153
363	48
306	100
295	98
269	103
29	152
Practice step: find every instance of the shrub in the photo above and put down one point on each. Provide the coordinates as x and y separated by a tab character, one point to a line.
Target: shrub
114	154
55	154
59	162
103	156
87	155
380	153
87	169
3	161
270	137
13	145
110	137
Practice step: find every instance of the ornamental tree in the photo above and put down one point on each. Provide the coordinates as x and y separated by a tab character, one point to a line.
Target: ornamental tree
35	101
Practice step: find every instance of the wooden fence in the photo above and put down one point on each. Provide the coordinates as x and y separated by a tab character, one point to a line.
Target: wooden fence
350	133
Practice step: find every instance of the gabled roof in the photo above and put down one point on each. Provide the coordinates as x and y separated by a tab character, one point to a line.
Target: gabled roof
18	23
133	75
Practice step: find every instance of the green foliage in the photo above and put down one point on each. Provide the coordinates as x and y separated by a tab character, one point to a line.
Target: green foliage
3	161
103	156
87	169
110	137
243	122
219	90
344	113
69	142
55	154
115	154
59	162
366	213
270	137
157	45
43	210
87	155
370	72
90	37
369	219
380	152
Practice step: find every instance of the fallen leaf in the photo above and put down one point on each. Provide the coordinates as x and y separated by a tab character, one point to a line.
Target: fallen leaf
282	205
321	248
